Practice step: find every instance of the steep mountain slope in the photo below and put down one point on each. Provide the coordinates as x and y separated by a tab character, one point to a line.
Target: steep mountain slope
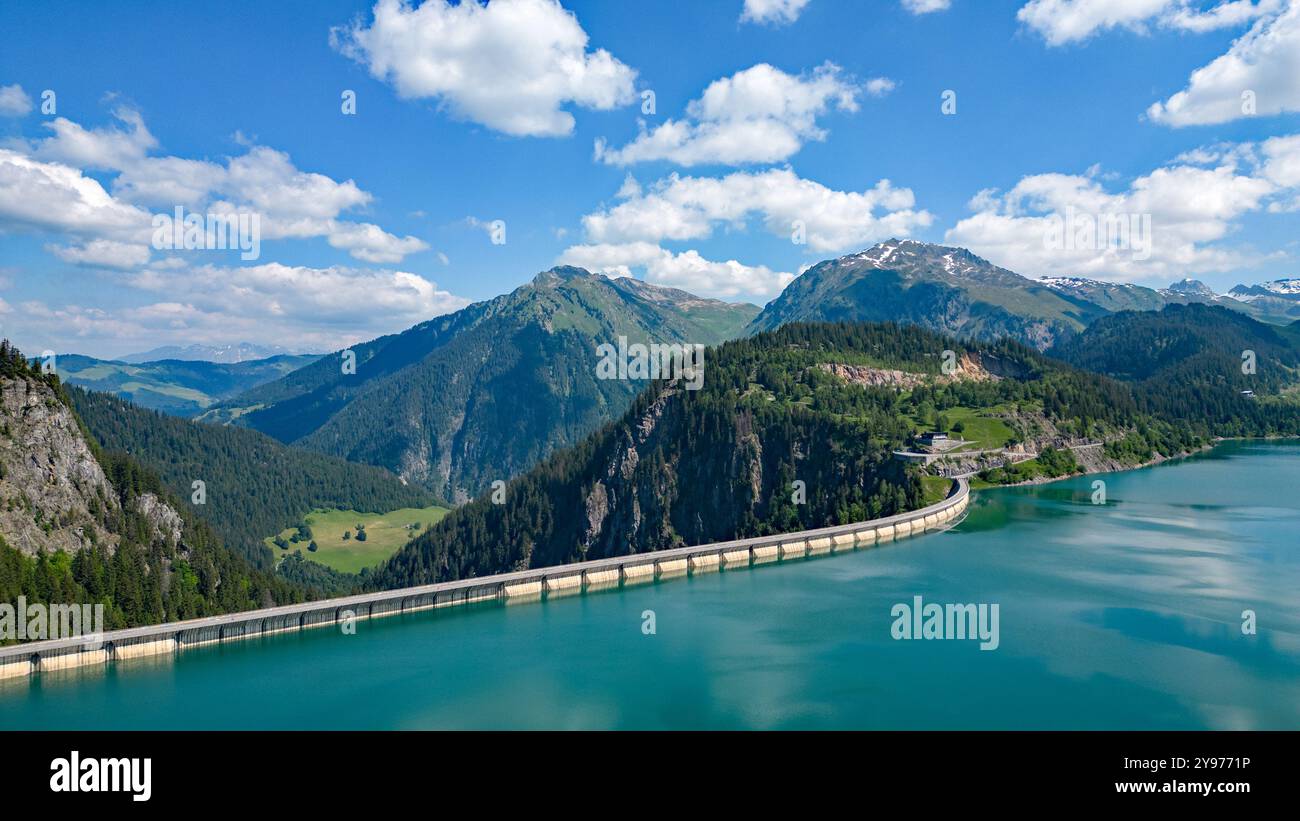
79	525
1278	301
949	290
462	400
1113	296
255	486
685	467
178	387
1189	360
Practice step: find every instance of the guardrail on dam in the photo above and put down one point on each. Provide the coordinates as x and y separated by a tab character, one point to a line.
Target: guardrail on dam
59	654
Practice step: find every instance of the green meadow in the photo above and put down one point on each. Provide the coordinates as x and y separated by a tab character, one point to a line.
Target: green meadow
385	534
981	431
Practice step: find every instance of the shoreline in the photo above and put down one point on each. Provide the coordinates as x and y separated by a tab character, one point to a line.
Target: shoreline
30	659
1158	460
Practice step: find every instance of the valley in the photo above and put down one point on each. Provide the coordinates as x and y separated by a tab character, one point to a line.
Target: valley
806	424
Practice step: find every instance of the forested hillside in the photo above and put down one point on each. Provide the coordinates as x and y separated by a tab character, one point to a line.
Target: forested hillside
1215	371
686	467
138	550
484	393
255	486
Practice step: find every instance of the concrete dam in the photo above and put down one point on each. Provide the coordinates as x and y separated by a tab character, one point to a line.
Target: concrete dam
25	660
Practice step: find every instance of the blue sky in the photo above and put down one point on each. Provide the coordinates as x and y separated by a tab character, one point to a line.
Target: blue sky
376	220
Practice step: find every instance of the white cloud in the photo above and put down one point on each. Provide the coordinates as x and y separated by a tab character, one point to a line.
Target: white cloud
1189	17
510	65
689	208
371	243
104	253
880	86
628	236
759	115
1190	209
99	148
1281	166
1067	21
926	6
294	306
1264	62
366	298
42	187
14	102
772	12
687	270
54	197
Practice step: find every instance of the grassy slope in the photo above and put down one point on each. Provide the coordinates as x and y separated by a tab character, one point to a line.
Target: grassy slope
385	535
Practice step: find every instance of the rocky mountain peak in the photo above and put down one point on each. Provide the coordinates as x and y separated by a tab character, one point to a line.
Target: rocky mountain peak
1192	287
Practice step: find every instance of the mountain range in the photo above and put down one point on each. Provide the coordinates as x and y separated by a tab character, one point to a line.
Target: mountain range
481	394
943	289
181	387
227	354
826	405
93	486
1274	302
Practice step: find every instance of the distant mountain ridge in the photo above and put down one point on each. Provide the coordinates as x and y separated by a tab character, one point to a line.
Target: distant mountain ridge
481	394
173	386
940	288
224	354
1276	302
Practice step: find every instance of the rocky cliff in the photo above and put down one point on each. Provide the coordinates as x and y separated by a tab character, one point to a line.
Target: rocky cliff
54	494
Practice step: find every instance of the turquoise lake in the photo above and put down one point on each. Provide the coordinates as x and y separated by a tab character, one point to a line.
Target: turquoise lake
1122	616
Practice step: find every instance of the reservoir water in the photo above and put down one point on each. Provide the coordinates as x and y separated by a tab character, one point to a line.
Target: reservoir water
1126	615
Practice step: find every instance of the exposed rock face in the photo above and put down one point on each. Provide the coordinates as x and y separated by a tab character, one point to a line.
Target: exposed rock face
618	507
973	367
874	377
51	485
165	523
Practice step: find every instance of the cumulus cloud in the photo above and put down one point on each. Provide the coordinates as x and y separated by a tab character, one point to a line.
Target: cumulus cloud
690	208
109	148
14	102
42	186
759	115
772	12
53	197
926	6
378	299
1068	21
294	306
103	253
1261	68
629	236
880	86
511	65
1188	207
370	243
687	270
